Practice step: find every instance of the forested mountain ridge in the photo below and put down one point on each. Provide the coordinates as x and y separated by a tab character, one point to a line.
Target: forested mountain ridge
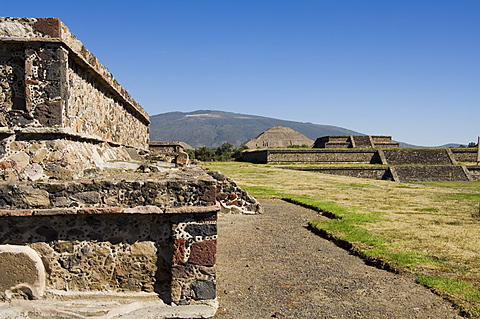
213	128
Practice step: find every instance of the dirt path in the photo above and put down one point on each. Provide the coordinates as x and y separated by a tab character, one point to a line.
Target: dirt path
270	266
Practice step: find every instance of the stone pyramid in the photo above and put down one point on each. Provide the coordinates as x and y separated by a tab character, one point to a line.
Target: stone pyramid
278	137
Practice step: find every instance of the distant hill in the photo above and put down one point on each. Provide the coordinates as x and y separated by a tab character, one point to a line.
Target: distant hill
450	145
213	128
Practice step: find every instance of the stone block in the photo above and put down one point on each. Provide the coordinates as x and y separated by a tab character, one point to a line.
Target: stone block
23	272
204	290
201	229
178	256
203	253
21	160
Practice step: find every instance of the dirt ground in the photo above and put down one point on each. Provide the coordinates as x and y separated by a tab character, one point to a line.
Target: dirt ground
271	266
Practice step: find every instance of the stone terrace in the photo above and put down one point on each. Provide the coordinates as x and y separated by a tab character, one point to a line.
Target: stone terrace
401	165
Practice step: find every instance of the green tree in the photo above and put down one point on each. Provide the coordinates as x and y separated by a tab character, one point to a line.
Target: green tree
237	153
204	154
224	152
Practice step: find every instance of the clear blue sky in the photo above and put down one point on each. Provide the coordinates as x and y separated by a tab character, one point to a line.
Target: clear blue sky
406	68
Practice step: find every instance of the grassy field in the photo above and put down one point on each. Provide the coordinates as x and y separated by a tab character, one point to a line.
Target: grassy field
431	230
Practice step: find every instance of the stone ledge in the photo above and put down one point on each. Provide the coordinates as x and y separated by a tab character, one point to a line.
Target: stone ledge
110	210
57	131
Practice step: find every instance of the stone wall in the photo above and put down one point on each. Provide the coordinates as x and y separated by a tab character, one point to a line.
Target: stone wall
232	198
53	88
468	155
418	156
311	156
474	172
429	173
380	173
355	141
401	173
93	110
404	165
259	157
149	235
172	255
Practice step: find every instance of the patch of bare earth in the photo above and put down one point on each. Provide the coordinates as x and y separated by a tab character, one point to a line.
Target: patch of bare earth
271	266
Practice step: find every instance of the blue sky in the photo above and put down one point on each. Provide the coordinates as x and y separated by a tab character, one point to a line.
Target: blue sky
410	69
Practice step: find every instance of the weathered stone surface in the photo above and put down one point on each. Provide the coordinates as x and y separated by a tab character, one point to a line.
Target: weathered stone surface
203	253
201	229
204	290
8	164
33	197
181	271
40	78
23	272
59	172
178	256
176	291
209	195
143	248
33	172
87	197
21	160
182	159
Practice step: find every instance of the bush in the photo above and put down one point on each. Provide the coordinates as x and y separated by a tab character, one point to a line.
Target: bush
226	152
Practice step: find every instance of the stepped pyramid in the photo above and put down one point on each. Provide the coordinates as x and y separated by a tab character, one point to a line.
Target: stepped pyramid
277	137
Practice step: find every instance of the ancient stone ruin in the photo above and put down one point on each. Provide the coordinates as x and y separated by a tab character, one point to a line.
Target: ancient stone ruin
168	152
60	106
88	227
355	141
393	163
278	136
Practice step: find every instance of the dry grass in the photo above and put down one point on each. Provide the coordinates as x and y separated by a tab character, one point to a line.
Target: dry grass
437	222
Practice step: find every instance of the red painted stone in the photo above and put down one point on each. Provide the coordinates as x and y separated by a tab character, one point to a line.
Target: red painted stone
99	210
49	26
178	254
203	253
16	212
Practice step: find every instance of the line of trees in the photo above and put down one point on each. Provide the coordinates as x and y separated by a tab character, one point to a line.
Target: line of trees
226	152
471	144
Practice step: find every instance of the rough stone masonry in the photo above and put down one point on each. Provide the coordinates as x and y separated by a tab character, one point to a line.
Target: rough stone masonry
61	111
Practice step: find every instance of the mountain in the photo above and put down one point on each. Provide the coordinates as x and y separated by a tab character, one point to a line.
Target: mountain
213	128
450	145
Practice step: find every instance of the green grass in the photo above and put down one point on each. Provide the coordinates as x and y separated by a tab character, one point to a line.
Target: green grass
457	291
461	185
262	191
460	197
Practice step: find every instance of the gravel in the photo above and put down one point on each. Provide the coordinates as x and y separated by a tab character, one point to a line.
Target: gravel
271	266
